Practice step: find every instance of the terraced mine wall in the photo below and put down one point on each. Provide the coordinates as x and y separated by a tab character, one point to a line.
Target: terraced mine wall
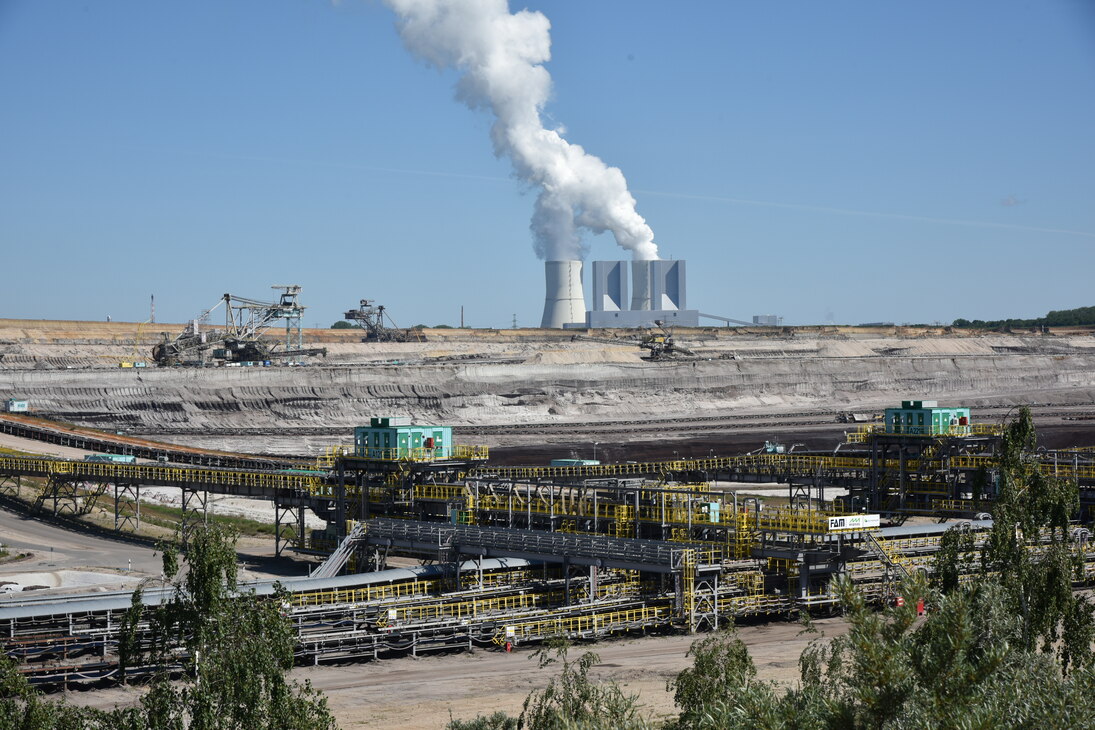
463	377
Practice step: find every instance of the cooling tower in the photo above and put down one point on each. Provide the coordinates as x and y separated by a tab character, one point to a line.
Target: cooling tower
565	301
640	285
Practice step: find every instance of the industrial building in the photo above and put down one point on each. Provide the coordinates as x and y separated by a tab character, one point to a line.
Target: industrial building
926	418
395	437
658	293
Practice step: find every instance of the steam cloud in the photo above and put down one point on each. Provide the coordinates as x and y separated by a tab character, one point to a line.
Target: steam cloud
500	55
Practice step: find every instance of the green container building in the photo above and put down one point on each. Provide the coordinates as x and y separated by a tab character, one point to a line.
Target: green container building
926	418
395	437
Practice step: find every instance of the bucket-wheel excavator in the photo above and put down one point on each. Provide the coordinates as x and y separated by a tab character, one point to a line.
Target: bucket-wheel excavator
242	339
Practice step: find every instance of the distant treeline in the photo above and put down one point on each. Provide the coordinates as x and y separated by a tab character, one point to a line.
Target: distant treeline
1064	318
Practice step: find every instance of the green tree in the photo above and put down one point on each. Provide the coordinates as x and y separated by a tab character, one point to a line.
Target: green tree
342	325
496	721
1009	647
720	688
128	633
570	700
235	649
1081	316
963	666
955	558
1030	544
231	649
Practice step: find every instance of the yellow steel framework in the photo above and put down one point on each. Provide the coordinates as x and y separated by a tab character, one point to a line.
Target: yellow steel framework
622	524
607	622
784	465
459	452
864	432
688	584
508	577
955	505
159	474
797	521
330	456
366	594
470	608
441	492
745	536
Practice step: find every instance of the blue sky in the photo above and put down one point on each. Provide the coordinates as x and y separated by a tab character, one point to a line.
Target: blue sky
837	161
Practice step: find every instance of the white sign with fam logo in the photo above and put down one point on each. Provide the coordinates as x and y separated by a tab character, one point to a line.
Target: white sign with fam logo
853	522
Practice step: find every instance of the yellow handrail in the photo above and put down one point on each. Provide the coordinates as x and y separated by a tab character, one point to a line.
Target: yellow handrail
458	452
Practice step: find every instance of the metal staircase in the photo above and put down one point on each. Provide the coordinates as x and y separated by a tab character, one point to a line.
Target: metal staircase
334	564
892	564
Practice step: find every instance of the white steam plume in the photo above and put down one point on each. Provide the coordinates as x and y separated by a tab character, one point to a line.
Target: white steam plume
501	56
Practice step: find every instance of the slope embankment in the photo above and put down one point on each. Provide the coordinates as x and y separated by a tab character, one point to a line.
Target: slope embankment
519	377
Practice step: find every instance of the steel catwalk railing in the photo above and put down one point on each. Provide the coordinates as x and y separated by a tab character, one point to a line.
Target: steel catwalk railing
781	465
864	433
159	474
457	452
32	427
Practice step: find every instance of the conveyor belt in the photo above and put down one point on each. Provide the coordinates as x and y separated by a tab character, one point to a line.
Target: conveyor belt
768	465
222	481
37	429
552	547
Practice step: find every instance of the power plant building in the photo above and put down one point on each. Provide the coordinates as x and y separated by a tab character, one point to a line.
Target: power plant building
658	293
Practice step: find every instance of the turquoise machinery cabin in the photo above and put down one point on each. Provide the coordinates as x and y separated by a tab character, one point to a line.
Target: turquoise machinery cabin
395	437
926	418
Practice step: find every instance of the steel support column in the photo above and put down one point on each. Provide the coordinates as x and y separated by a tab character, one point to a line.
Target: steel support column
195	510
127	514
287	532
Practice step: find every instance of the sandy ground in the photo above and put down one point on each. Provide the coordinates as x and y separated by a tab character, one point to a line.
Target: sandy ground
79	579
260	510
53	549
394	695
31	446
67	561
406	694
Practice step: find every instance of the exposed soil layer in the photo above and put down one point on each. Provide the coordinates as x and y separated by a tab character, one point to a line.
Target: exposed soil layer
1050	435
559	388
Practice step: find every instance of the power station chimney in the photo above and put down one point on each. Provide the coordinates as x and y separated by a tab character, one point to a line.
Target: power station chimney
640	285
565	301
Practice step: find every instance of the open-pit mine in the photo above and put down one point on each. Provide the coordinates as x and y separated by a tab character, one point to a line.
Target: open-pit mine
493	489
